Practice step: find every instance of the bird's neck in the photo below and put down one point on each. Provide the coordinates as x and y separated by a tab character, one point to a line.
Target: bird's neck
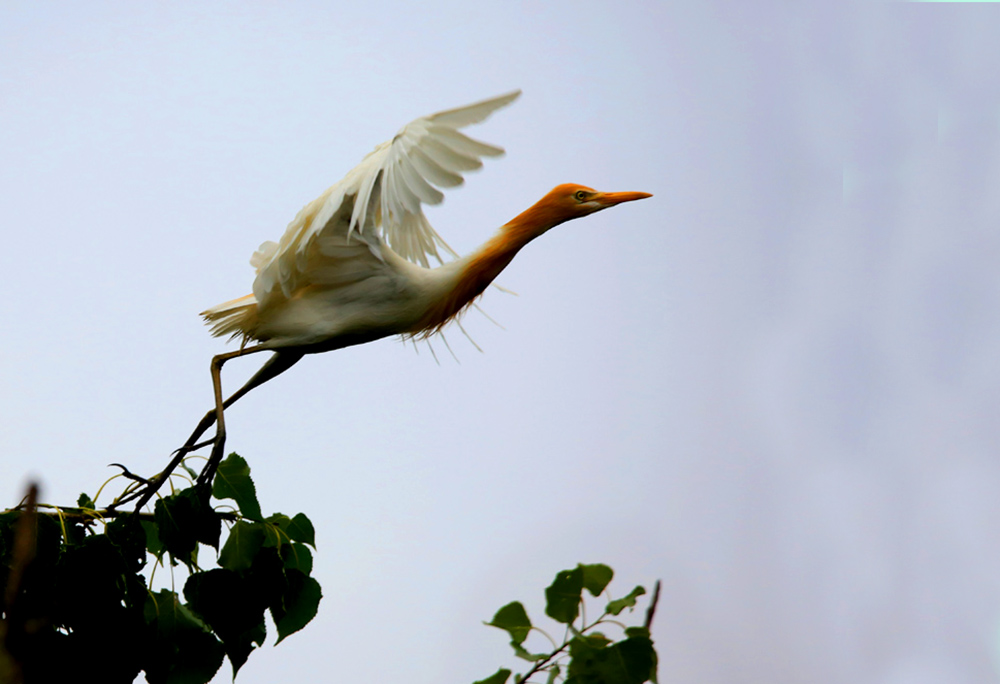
464	279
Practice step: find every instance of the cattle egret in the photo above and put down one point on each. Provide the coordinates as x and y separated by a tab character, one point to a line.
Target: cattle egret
354	265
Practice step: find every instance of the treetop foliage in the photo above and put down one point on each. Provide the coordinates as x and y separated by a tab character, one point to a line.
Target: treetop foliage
82	589
585	656
80	604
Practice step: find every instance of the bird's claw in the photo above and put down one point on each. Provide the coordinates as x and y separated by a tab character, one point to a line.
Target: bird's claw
130	475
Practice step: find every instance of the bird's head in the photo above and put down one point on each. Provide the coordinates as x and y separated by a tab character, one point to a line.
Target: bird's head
579	200
569	201
564	203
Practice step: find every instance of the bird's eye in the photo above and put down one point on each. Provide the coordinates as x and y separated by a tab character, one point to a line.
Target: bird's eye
580	195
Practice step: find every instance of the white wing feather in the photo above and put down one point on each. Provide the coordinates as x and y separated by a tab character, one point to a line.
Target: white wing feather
381	196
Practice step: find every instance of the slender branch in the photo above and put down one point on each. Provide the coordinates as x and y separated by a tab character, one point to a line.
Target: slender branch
16	629
24	545
652	606
91	515
542	663
539	665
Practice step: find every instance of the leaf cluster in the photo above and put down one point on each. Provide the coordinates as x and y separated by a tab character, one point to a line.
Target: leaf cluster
585	656
84	590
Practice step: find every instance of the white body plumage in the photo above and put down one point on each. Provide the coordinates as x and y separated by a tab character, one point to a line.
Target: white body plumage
353	265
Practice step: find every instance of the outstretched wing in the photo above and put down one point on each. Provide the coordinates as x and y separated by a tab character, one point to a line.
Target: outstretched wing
382	197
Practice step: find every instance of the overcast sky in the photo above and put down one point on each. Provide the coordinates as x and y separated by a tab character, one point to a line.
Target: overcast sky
774	385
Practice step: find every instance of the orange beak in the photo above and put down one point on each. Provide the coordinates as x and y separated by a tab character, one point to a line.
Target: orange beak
610	199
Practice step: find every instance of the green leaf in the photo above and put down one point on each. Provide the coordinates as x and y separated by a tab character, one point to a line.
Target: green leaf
232	481
513	618
639	657
183	651
618	605
245	540
233	608
592	661
596	639
301	530
297	557
596	577
128	537
554	672
299	604
36	586
277	524
499	677
523	653
84	501
184	519
280	520
153	543
563	596
72	532
267	578
92	584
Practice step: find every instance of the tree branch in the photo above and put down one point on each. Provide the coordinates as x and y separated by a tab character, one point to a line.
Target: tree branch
652	606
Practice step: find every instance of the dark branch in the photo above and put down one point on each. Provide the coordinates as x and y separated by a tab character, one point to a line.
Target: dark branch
25	537
92	515
652	606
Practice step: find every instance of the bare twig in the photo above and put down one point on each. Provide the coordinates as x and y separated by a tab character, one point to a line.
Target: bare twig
129	474
542	663
14	628
651	611
91	515
25	537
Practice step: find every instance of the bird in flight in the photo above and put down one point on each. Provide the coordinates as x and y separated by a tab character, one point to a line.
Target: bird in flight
354	265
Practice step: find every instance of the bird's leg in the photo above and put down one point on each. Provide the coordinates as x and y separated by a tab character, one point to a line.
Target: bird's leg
275	366
220	418
155	482
146	493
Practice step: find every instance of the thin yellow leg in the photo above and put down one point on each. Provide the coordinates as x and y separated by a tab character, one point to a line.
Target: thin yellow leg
219	446
214	415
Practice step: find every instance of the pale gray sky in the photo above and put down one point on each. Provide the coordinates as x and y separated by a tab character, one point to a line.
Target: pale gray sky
774	385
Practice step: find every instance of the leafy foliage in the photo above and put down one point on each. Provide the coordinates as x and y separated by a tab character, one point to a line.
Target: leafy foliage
74	584
233	482
585	656
83	588
513	618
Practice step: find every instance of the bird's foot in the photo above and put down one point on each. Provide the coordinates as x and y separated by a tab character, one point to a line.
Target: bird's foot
143	488
129	474
218	449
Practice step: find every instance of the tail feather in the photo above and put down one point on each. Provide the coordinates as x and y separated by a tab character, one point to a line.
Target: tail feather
236	317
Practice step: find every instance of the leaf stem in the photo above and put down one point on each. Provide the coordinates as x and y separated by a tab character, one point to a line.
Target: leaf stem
545	634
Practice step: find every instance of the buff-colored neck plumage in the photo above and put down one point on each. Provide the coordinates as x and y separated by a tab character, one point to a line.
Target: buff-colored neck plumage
468	277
